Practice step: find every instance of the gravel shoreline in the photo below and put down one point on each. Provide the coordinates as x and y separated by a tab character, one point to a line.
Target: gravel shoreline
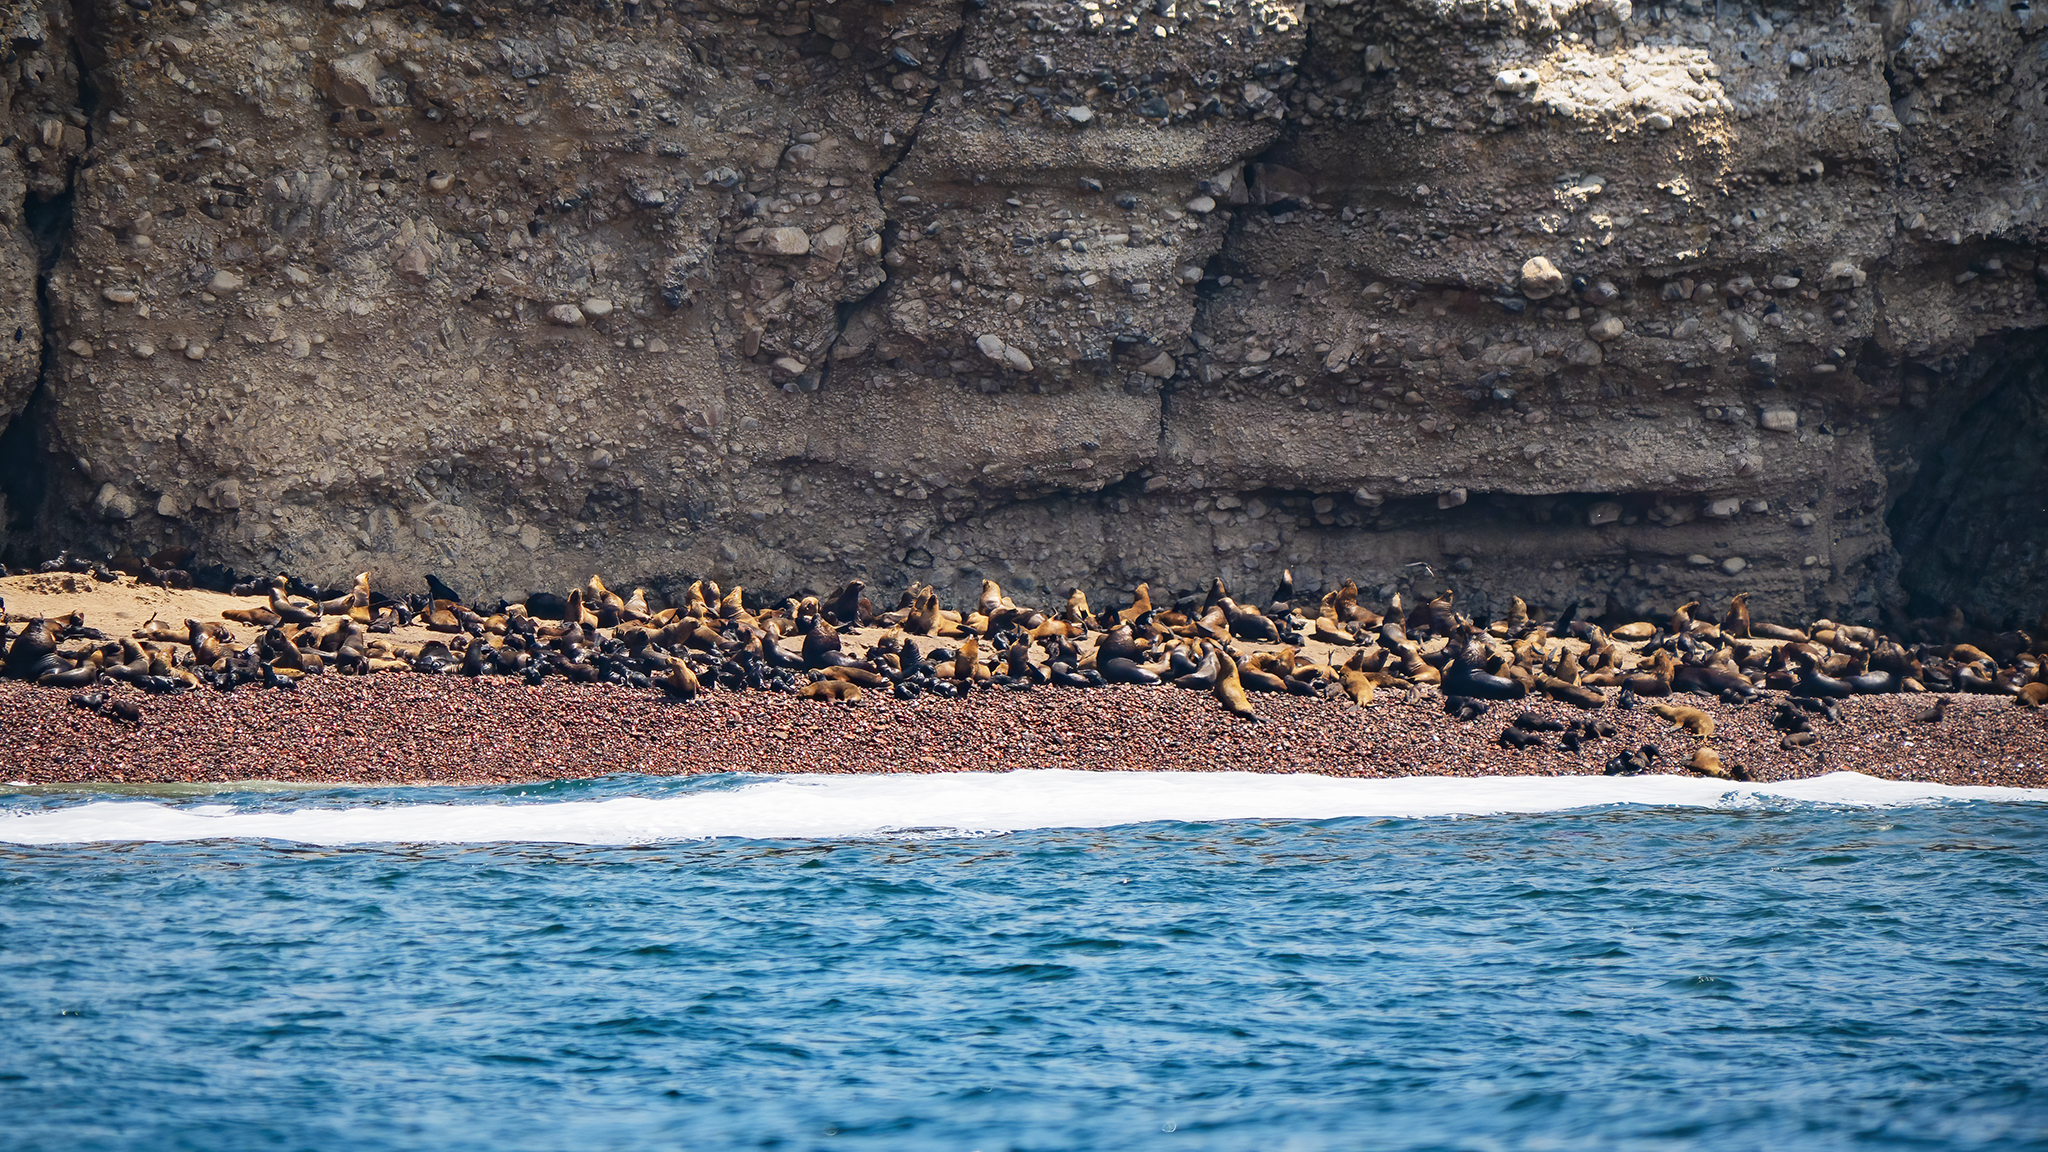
410	728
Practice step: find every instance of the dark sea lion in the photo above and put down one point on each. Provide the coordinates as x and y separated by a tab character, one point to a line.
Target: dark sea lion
1205	675
1283	593
1464	708
842	608
1519	740
1121	670
1465	677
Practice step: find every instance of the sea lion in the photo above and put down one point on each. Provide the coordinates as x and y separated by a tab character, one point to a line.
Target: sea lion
1633	763
1464	708
1520	740
1357	685
1707	762
1205	675
1283	594
1691	719
1571	693
1230	690
1798	740
1465	676
289	612
1933	714
1735	622
2032	695
1531	722
1123	670
841	691
842	608
852	674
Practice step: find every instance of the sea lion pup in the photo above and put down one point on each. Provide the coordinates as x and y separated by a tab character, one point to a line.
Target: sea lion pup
1634	763
1933	714
1464	708
1691	719
1519	740
1230	690
1798	740
842	608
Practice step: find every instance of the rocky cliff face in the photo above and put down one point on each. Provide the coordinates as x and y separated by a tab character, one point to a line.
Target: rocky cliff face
1557	297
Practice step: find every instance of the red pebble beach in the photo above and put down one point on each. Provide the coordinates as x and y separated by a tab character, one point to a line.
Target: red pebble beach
446	729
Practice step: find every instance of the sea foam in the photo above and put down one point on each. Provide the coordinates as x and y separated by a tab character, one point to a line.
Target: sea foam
823	807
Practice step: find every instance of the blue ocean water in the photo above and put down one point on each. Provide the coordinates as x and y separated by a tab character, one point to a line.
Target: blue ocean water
1714	969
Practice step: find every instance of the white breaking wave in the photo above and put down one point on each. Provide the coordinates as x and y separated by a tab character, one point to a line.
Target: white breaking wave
832	807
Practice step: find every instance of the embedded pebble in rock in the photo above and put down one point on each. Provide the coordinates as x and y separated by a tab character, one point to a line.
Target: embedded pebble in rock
1604	329
1540	278
1779	419
782	241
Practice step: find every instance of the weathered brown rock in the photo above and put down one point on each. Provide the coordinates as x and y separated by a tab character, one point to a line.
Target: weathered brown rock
850	288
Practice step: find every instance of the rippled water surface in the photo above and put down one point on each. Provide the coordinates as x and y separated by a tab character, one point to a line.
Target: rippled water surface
1708	970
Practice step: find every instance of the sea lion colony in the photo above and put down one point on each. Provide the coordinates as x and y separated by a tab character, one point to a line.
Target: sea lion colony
838	647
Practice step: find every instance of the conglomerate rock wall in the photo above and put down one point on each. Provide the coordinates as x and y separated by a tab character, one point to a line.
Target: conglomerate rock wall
1563	298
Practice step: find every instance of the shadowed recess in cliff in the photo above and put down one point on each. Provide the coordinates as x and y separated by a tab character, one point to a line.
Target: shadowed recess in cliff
1972	529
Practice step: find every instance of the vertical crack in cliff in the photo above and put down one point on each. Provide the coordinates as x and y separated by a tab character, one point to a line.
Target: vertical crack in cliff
26	461
846	310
